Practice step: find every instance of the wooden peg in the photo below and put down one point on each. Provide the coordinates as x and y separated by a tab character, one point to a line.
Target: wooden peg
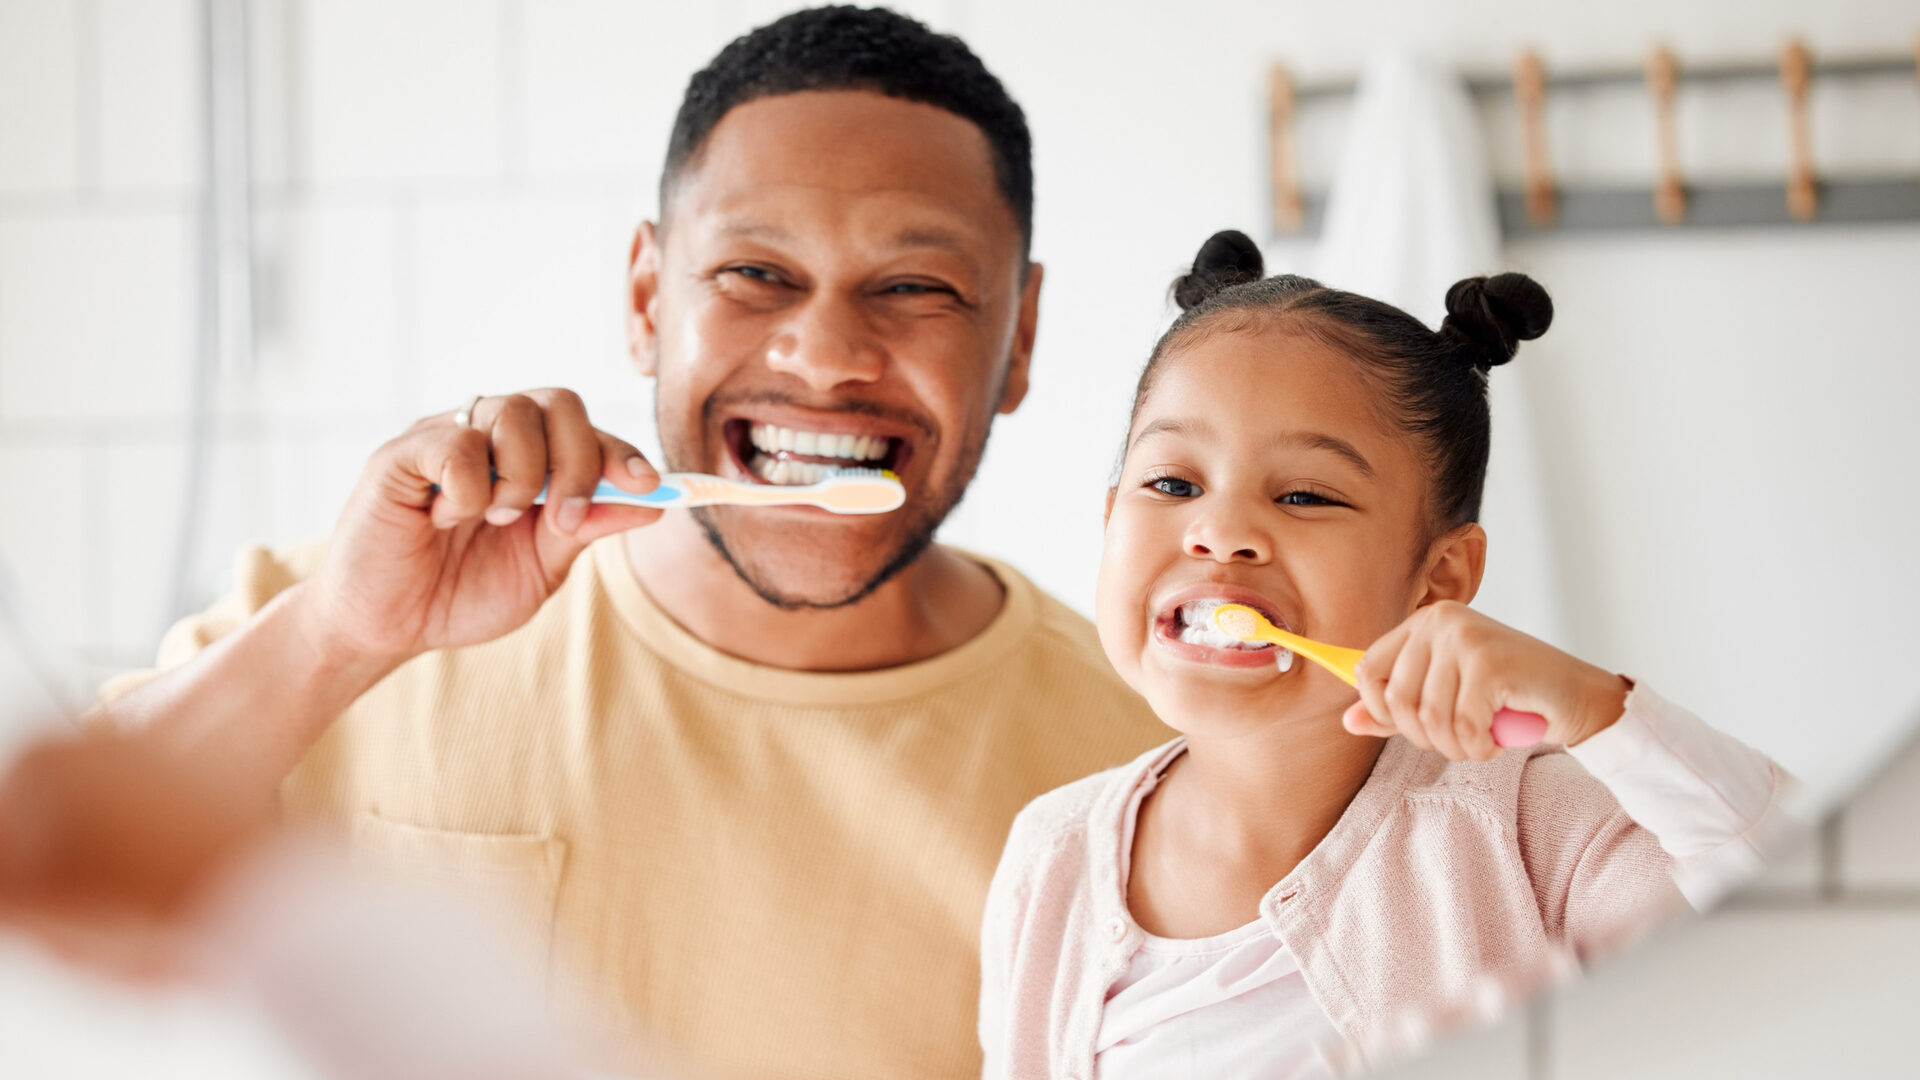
1796	73
1530	94
1669	193
1283	161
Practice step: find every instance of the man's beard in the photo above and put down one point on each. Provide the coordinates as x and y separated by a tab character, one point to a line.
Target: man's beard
917	539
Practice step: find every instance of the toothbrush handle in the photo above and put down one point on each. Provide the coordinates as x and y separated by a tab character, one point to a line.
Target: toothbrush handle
671	493
681	490
1511	727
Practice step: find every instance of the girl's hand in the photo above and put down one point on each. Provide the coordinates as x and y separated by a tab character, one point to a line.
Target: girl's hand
1438	678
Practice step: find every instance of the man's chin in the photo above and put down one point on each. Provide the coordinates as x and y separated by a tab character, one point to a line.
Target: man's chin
796	568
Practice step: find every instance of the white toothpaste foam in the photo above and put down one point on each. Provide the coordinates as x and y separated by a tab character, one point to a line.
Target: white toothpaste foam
1198	629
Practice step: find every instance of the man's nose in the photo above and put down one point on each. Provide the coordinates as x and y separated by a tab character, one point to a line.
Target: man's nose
826	344
1228	535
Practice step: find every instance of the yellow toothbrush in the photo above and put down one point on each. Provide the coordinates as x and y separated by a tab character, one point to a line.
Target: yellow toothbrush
1511	727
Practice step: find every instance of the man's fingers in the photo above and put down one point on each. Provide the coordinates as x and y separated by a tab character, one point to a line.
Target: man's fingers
605	520
627	468
518	433
573	459
458	464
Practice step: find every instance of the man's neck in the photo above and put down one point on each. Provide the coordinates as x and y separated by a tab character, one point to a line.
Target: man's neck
938	602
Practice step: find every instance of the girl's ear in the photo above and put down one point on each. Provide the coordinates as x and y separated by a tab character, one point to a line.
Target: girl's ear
1455	565
1108	515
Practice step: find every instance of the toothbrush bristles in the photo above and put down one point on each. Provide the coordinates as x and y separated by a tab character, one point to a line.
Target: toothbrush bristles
1238	622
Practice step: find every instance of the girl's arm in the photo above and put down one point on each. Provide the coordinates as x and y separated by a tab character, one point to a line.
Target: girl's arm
1713	804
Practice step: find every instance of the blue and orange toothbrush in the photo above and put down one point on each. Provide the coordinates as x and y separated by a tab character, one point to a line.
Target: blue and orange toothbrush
847	491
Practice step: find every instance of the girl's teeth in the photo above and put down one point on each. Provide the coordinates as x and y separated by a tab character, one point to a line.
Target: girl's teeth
1197	628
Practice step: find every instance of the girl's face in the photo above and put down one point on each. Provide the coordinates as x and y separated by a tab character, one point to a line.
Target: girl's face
1261	470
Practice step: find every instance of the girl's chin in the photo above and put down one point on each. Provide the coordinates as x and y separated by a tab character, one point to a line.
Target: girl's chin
1203	703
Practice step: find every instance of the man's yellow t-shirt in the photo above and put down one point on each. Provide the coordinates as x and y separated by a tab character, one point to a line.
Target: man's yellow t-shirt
744	871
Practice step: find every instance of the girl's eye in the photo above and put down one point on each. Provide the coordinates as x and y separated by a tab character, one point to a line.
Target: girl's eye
1305	498
1174	486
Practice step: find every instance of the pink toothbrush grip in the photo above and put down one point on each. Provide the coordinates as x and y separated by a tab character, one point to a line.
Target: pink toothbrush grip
1512	727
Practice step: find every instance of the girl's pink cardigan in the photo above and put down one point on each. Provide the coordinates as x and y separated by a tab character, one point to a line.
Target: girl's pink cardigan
1444	889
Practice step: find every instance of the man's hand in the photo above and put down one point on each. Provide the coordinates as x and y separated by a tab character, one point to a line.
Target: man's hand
441	545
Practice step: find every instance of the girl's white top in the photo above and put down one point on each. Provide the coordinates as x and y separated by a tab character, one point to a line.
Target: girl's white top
1230	1005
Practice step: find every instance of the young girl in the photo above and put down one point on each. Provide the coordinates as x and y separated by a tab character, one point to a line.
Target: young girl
1302	882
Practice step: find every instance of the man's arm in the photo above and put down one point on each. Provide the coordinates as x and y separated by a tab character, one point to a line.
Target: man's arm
440	545
255	700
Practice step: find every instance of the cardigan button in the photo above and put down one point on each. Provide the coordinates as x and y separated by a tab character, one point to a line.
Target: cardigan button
1116	930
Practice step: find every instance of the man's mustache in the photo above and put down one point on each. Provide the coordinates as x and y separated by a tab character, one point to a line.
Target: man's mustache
854	406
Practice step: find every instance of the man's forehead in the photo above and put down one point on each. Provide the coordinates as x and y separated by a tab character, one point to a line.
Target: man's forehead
741	223
808	148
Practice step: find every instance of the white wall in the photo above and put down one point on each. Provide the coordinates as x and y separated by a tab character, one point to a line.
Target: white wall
447	189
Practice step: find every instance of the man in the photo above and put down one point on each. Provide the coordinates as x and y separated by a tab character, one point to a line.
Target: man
744	773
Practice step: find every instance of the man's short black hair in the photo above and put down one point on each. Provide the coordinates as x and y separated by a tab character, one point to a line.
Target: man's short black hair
849	48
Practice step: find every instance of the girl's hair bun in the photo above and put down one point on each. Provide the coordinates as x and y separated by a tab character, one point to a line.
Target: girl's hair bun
1488	317
1228	258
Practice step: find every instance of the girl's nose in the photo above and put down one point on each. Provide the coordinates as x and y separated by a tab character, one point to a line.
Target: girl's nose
826	345
1228	538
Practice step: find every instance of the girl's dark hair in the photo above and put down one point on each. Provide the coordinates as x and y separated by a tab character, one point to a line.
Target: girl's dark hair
1435	381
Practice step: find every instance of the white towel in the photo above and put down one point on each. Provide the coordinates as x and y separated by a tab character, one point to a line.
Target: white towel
1410	212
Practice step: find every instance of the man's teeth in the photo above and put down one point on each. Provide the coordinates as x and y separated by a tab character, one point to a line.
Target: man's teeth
770	439
786	471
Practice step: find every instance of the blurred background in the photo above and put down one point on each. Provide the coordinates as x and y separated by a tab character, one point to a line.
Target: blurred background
242	242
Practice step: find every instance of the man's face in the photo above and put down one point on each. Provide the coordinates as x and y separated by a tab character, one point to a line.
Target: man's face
836	282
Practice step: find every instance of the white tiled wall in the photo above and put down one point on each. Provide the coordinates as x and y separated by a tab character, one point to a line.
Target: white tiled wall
444	193
40	131
96	315
446	189
389	89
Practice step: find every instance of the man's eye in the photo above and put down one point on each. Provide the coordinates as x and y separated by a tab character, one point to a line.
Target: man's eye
915	288
1175	486
754	273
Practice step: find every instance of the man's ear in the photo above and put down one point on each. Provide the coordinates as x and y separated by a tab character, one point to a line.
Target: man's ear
1455	565
1020	359
643	297
1108	515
